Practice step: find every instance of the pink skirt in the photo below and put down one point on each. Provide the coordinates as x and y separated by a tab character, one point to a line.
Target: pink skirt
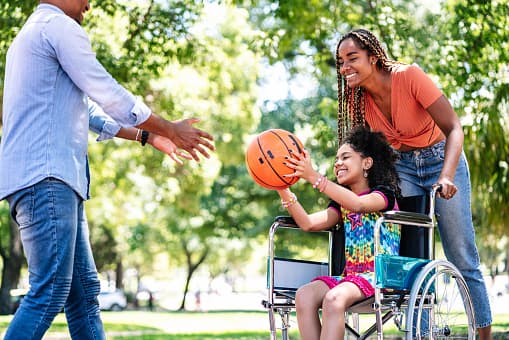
363	284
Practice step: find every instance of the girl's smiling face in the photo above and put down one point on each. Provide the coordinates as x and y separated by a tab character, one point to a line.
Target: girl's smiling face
349	166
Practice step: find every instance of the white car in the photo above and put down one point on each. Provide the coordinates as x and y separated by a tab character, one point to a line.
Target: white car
113	300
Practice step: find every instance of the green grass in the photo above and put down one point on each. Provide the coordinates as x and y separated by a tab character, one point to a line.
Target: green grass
226	325
202	336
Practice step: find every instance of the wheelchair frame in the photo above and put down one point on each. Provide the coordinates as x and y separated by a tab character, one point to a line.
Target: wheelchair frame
420	301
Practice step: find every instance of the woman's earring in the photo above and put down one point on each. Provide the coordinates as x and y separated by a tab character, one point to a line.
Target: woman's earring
365	173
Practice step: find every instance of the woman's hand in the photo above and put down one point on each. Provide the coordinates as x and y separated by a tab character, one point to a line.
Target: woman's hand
448	188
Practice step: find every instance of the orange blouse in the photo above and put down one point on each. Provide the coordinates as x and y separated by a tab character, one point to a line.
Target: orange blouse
412	92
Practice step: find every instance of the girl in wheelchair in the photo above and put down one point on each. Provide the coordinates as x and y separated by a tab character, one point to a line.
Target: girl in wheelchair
367	184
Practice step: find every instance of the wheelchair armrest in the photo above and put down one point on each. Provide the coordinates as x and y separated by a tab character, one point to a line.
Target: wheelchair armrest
289	222
286	221
407	217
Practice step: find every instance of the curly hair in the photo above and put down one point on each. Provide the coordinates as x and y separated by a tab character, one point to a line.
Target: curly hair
351	109
374	144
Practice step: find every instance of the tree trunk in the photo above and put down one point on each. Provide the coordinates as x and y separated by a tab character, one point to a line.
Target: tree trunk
13	260
191	268
119	275
186	289
506	260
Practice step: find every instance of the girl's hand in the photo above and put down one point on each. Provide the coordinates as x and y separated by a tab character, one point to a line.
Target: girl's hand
302	166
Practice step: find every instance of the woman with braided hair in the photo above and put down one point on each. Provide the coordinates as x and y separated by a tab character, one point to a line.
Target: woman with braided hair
403	103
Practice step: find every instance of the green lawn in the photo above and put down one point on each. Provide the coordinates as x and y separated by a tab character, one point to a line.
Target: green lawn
252	325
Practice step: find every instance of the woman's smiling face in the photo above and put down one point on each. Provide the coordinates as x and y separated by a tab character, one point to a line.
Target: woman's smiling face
354	63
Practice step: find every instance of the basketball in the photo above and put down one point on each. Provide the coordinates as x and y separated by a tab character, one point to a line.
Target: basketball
266	154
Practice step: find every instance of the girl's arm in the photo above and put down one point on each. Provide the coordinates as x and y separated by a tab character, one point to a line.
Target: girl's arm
321	220
366	203
345	197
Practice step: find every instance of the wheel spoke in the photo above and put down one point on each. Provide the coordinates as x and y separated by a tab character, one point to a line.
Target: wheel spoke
445	302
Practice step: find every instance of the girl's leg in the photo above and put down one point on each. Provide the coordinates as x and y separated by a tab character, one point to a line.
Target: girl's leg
308	301
335	304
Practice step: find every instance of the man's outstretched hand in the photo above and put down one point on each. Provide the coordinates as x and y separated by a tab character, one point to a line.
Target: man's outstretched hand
166	146
191	139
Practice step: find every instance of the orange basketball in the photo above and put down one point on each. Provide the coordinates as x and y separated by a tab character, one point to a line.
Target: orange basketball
266	154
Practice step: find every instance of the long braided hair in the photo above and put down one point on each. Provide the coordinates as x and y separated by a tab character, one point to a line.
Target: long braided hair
351	109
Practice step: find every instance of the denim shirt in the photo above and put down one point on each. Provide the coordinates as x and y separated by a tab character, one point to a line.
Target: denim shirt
55	90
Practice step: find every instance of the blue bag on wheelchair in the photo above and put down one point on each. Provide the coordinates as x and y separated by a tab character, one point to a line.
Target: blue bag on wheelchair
397	272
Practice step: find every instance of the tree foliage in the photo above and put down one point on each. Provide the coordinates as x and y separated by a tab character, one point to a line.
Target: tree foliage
205	59
474	64
463	44
184	61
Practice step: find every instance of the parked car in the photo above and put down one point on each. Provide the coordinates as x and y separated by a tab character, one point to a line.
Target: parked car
113	300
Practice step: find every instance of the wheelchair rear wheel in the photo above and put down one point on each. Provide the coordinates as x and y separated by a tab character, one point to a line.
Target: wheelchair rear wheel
440	306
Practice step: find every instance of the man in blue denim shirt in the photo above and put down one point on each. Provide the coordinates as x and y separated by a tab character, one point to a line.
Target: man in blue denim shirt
55	91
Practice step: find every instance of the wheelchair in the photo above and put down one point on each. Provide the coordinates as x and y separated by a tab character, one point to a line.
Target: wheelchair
426	298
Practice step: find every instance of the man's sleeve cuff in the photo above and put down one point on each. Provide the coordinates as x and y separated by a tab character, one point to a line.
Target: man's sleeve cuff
109	130
140	112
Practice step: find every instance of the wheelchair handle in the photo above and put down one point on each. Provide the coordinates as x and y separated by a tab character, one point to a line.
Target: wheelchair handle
435	188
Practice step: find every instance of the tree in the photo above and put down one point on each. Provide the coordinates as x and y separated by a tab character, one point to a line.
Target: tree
474	65
11	253
463	44
471	58
12	16
226	75
156	197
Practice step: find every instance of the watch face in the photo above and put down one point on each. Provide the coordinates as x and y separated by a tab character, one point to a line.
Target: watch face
144	137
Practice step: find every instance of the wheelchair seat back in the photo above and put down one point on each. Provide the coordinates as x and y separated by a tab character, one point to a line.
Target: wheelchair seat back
399	272
290	274
414	240
337	251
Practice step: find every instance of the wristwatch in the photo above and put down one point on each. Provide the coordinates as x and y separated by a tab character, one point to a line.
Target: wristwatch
144	137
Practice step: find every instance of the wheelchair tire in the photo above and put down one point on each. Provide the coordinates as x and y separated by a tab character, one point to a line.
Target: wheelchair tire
440	295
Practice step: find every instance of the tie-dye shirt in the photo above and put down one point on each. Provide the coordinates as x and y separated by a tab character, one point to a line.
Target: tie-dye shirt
359	242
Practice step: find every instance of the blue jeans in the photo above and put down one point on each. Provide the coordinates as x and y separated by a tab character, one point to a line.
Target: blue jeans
418	171
62	273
